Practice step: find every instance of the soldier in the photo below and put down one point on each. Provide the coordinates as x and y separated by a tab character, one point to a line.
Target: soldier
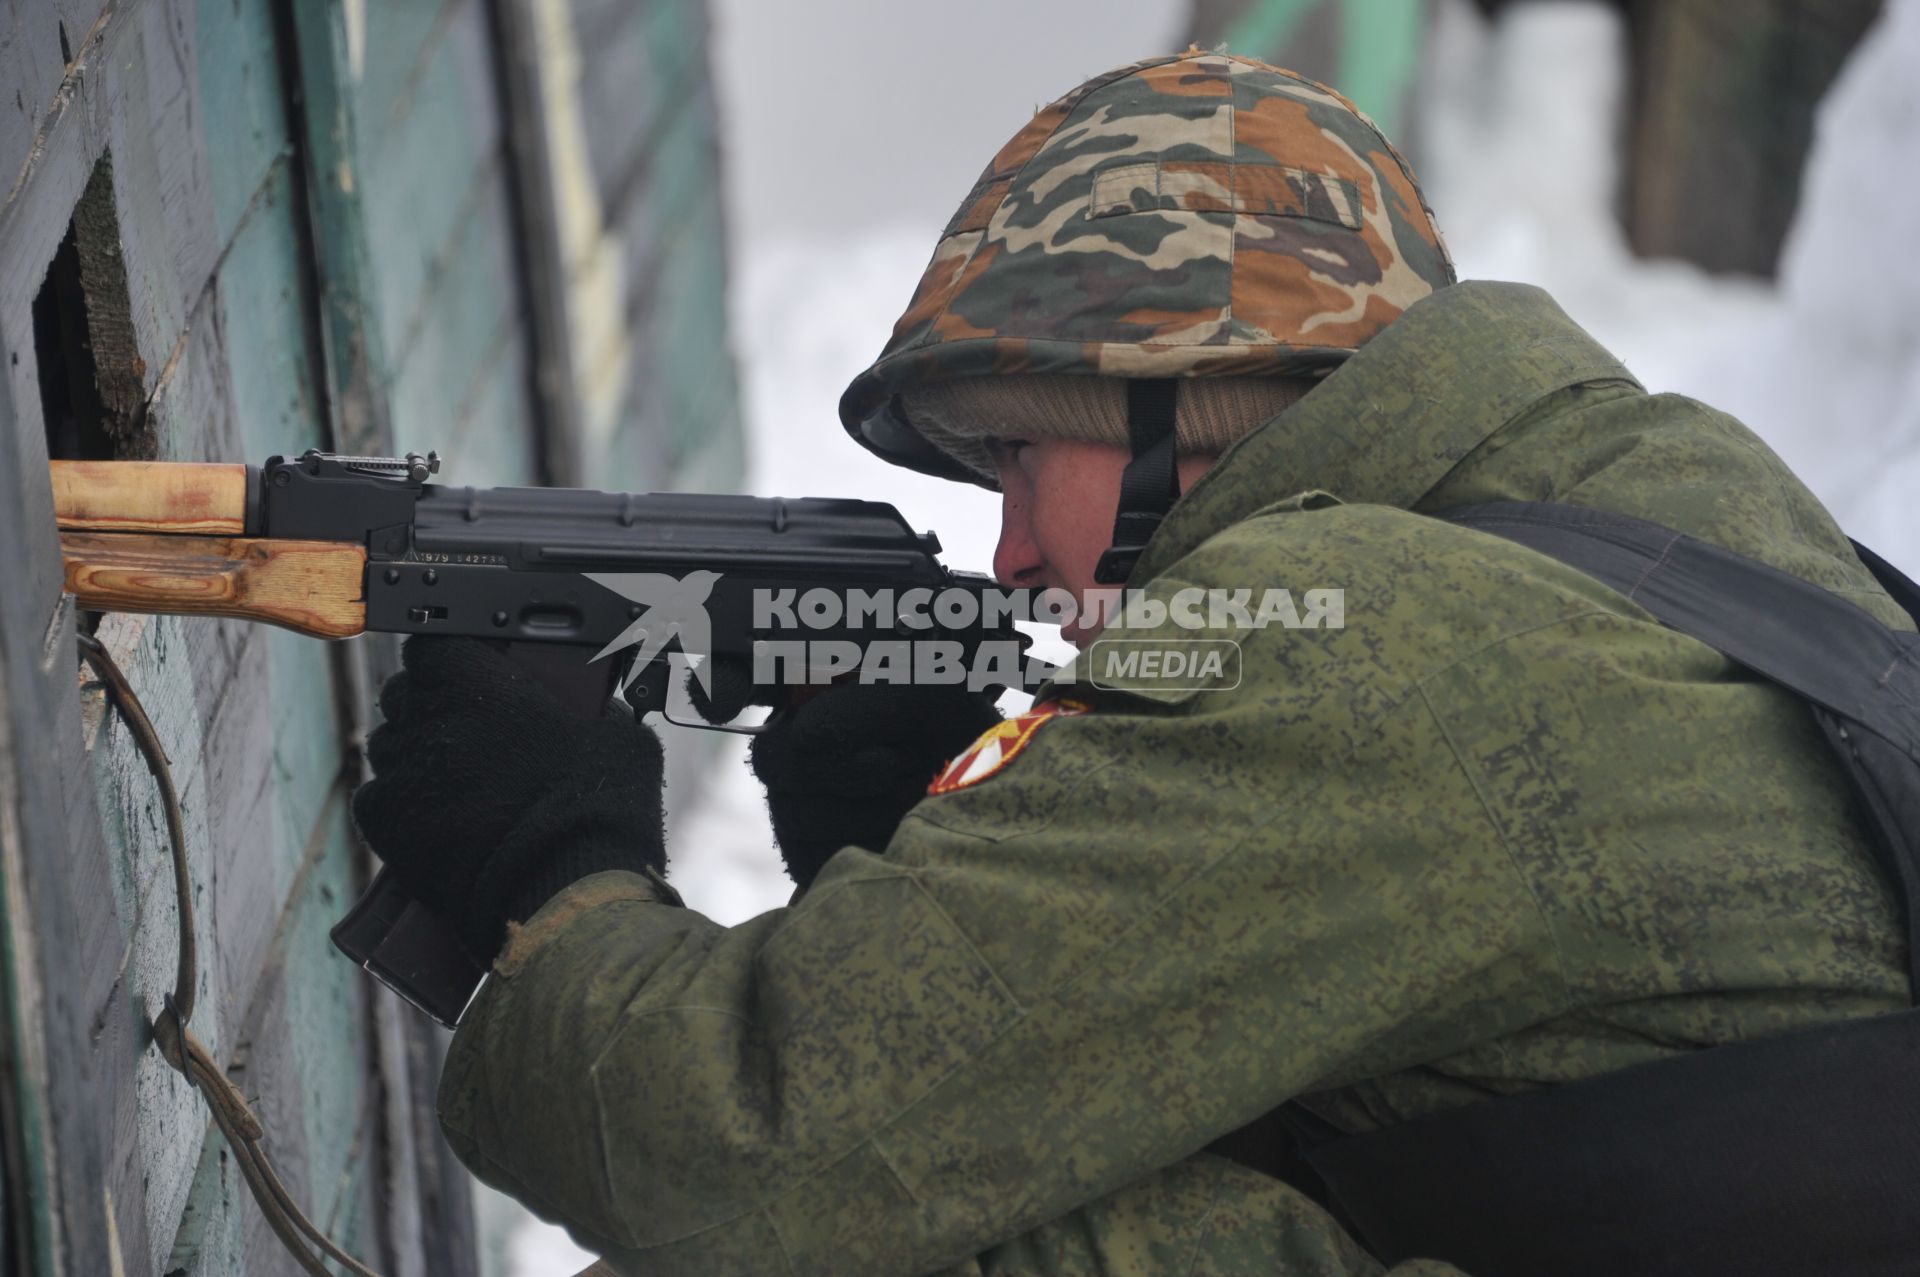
1128	990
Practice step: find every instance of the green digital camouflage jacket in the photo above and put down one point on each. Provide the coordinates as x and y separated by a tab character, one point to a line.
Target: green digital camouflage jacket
1500	831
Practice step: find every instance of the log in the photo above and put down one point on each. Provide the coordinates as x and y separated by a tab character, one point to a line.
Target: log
312	587
150	496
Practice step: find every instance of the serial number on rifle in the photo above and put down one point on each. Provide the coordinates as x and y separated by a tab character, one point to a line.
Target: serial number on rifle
435	556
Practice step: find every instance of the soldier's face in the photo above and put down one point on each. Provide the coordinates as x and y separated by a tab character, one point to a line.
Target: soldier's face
1056	514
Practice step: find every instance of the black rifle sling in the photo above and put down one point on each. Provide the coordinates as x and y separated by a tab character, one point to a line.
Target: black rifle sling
1792	1156
1151	482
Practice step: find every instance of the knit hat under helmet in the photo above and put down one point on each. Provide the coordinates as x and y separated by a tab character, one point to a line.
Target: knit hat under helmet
1200	215
1211	415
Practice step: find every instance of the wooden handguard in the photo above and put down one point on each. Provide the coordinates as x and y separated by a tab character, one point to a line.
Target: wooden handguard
150	496
314	587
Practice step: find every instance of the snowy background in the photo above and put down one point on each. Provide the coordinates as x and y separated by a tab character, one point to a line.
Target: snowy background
854	126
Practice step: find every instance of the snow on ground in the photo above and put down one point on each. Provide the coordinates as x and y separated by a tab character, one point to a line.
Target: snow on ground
1517	157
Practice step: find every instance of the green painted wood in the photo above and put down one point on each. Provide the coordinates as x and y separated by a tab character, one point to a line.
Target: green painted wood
1367	49
640	64
652	132
369	245
107	1111
356	351
1267	24
1380	58
469	328
211	230
244	115
326	1017
438	213
265	687
287	699
307	755
402	38
319	239
427	174
213	1221
263	311
282	684
169	1119
488	445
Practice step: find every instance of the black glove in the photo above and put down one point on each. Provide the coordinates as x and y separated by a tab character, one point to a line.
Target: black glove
488	797
847	765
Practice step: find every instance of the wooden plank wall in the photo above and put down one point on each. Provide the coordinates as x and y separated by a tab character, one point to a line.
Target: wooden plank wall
205	190
1368	49
315	213
634	138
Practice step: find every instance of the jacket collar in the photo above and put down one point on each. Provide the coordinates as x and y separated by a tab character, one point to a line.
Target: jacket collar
1389	424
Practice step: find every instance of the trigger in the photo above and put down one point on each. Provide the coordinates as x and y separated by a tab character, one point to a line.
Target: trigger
647	691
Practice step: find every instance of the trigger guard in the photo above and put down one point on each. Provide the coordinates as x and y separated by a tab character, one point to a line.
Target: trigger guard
753	729
651	692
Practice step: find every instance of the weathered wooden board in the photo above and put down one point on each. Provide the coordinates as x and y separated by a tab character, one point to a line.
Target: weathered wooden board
298	225
207	223
636	70
650	126
431	161
487	443
37	42
466	329
243	110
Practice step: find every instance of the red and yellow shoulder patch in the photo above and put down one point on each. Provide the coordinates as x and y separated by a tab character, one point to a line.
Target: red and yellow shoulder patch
998	745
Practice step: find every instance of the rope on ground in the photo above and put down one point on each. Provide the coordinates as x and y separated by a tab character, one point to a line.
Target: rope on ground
185	1052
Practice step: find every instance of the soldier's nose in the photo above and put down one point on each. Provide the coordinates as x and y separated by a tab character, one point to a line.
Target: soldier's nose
1016	559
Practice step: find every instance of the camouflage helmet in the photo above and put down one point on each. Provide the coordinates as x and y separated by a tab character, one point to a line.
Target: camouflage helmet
1201	215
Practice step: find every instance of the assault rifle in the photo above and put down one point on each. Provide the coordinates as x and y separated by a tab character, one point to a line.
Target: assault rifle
592	593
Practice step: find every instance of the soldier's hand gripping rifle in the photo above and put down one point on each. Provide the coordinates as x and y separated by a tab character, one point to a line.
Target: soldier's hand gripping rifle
590	591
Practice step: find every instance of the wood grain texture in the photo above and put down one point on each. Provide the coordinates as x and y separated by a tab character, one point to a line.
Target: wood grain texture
312	587
150	496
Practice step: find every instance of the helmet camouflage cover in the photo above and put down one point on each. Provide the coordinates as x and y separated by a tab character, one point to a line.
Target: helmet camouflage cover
1200	215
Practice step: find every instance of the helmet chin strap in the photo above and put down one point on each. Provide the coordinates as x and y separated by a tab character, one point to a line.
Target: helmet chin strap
1151	482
